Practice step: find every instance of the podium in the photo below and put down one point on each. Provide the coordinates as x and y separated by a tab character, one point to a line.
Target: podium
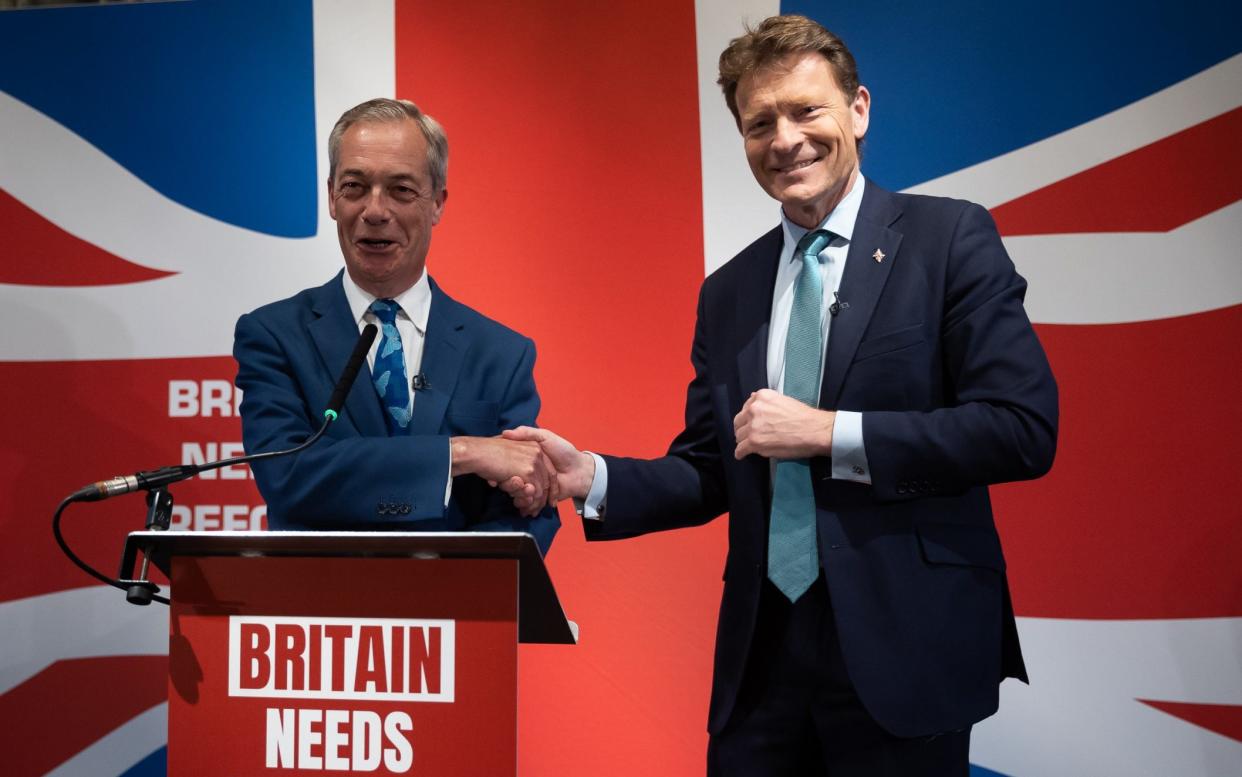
350	652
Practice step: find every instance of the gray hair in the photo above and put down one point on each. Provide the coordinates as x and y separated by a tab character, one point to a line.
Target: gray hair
384	109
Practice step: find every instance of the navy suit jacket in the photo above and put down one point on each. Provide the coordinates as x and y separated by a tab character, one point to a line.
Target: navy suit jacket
936	350
289	355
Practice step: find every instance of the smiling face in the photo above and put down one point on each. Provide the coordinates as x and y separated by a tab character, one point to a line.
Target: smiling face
383	203
801	134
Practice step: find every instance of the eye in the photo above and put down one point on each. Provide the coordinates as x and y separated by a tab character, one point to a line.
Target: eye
757	127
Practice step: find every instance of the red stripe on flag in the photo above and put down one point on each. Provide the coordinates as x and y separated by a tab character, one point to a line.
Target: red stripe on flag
1223	719
575	216
1137	518
1156	188
71	704
46	255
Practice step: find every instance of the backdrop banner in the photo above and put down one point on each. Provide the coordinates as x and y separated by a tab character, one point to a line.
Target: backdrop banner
162	171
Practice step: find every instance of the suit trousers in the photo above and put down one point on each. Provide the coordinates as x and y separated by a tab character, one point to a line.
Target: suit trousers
797	714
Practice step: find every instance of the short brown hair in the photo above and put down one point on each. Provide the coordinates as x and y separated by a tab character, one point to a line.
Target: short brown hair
385	109
775	38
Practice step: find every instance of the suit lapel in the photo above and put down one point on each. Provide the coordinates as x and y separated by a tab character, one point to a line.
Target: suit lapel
753	312
861	285
443	350
334	333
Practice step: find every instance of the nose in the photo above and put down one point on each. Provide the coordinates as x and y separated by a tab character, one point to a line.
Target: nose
375	209
786	135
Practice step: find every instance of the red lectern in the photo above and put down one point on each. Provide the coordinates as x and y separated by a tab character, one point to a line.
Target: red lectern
369	652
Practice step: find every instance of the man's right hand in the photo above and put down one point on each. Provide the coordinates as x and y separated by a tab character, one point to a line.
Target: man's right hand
519	467
575	470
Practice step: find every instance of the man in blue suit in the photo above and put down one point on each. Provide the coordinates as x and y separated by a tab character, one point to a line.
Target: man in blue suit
862	374
416	445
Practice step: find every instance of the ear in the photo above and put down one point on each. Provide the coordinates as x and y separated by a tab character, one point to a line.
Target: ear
860	112
438	206
331	201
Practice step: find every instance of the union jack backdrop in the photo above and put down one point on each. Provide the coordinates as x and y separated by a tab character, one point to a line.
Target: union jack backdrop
161	173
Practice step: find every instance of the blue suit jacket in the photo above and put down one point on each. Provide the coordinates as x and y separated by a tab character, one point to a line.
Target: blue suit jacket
289	355
937	352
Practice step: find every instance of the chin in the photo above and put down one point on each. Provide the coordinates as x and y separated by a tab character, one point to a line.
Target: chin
799	199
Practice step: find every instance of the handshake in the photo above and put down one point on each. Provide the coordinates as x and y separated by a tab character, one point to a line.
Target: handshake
536	467
533	466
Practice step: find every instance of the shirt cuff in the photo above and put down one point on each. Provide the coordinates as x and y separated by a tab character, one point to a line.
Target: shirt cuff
448	487
849	457
592	508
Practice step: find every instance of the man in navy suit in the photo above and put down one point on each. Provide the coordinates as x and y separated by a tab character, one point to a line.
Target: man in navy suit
416	445
866	622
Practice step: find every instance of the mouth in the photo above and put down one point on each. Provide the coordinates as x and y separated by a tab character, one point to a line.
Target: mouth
796	166
374	244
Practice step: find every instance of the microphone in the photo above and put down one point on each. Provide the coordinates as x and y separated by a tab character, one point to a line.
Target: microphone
351	370
150	479
420	383
124	484
837	306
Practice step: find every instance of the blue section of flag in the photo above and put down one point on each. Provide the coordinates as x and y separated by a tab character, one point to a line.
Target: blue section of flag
209	102
979	771
154	765
960	82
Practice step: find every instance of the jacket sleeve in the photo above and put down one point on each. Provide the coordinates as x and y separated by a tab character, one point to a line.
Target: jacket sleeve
997	420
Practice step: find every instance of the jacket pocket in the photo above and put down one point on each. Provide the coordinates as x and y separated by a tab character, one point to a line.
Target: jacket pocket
892	341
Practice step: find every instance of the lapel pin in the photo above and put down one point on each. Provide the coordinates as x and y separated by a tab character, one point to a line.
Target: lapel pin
878	256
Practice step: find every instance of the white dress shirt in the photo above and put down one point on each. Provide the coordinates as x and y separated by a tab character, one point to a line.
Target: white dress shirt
415	305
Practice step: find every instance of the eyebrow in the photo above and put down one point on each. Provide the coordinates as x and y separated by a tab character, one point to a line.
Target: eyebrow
359	173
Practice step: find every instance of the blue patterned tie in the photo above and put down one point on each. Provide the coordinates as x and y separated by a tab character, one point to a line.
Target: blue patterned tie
389	372
793	560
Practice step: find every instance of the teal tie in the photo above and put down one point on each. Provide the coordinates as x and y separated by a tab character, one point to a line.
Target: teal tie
793	560
389	371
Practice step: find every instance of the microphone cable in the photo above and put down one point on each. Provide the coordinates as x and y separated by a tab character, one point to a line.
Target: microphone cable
156	479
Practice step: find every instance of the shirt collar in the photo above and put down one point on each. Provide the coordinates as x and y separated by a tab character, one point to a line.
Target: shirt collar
839	222
415	301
